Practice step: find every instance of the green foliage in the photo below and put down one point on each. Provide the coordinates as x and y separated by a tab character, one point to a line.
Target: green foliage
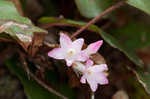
32	89
15	25
63	87
143	5
143	78
133	35
91	8
35	91
138	92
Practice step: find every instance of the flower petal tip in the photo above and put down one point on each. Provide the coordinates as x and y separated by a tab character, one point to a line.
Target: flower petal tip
97	44
69	63
83	80
94	87
65	41
56	53
89	62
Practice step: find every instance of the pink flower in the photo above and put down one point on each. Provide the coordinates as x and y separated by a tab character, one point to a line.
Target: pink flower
78	67
94	75
92	48
70	51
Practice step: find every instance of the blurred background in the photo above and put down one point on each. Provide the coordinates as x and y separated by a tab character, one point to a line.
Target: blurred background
126	35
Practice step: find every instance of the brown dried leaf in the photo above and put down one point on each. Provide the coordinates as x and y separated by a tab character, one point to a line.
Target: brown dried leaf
98	58
121	94
36	43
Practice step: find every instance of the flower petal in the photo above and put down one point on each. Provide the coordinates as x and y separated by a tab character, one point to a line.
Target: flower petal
83	79
99	68
56	53
65	41
89	63
77	44
102	79
81	57
69	62
94	87
94	47
93	84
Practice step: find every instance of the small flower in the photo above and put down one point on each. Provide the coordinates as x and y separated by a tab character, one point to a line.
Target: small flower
92	48
94	75
78	67
70	51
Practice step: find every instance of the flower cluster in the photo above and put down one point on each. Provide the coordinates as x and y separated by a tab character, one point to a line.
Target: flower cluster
80	60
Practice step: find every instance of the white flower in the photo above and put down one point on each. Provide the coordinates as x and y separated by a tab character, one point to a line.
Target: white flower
94	75
70	51
92	48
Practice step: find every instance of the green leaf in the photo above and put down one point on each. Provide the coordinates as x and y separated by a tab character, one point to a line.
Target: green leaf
52	77
143	5
134	35
91	8
138	92
143	77
15	25
32	89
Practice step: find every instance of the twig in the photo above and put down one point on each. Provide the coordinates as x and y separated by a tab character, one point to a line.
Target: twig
117	5
39	81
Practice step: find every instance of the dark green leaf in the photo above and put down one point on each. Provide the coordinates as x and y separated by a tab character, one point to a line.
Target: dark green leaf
143	77
35	91
91	8
32	89
138	92
143	5
134	35
52	77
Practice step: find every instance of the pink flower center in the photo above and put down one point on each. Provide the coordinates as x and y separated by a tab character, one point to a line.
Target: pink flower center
89	72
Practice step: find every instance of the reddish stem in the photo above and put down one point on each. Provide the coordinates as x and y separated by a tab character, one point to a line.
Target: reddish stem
94	20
